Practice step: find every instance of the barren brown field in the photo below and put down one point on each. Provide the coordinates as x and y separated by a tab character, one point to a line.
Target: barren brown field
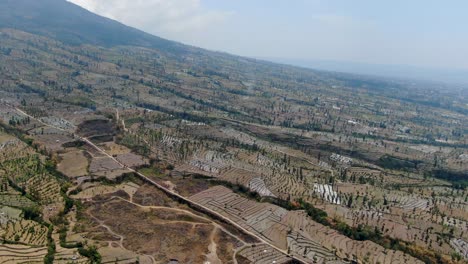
73	164
166	230
114	149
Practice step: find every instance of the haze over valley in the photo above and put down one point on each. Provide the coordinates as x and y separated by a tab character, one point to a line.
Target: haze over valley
120	146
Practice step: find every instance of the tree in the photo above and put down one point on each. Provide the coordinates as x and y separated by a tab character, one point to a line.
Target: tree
350	201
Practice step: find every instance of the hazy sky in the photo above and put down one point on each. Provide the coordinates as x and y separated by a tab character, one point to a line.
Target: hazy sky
432	33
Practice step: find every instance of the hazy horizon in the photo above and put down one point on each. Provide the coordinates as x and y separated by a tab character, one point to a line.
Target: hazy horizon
418	34
405	72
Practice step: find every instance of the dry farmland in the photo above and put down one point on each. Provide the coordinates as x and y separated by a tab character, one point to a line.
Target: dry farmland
164	227
73	163
293	230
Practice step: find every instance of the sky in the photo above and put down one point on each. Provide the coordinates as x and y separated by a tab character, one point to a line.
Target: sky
423	33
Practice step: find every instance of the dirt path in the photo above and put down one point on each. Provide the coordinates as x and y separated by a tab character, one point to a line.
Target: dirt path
216	225
101	223
224	218
212	257
159	186
121	238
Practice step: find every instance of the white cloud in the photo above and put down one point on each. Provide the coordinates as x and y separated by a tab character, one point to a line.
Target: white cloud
174	19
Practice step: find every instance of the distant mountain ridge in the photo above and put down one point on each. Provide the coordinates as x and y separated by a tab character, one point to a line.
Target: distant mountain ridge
451	76
74	25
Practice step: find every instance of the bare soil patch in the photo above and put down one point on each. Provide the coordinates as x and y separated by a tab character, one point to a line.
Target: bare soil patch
164	239
73	164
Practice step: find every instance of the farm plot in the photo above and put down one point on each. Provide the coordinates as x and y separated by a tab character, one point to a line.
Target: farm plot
132	160
263	254
327	193
30	173
170	141
45	188
450	221
457	211
212	168
88	193
240	136
209	162
267	174
238	175
67	255
25	231
51	138
294	230
277	180
410	202
106	167
15	229
460	246
285	185
93	151
341	159
13	254
14	149
9	214
73	164
58	122
16	200
297	242
258	185
343	246
363	174
114	149
264	219
100	164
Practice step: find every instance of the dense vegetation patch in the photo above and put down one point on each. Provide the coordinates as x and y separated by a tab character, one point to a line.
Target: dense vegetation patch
394	163
458	179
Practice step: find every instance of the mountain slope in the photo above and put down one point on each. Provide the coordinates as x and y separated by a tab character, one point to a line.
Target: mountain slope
366	150
74	25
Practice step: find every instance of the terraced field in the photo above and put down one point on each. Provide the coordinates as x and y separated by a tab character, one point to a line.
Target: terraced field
16	200
327	193
294	230
460	246
263	254
382	160
45	188
258	185
15	254
67	255
263	219
25	231
15	229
